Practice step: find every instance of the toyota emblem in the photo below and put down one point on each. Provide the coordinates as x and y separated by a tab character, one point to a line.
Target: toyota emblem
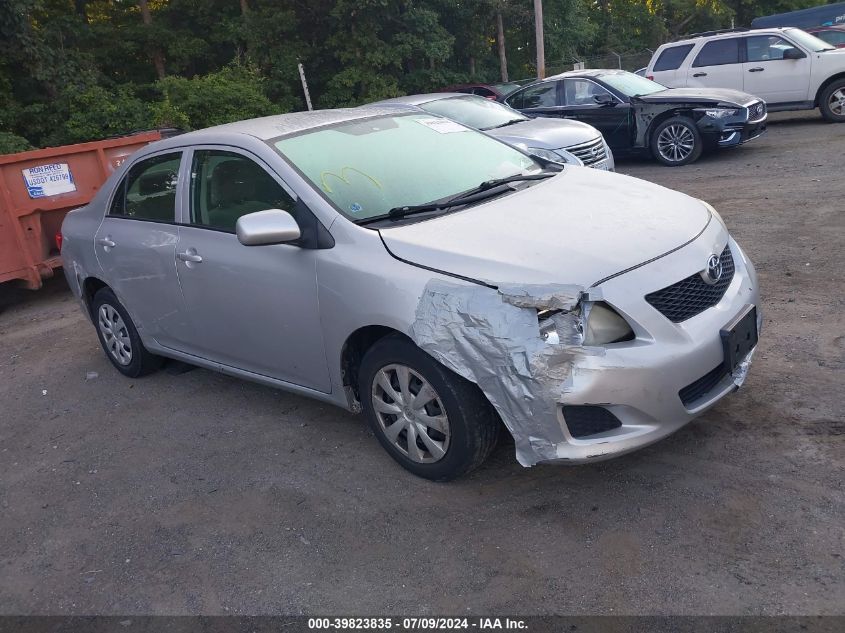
713	272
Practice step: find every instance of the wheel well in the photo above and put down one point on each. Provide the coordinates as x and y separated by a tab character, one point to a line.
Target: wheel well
90	287
658	120
824	85
353	351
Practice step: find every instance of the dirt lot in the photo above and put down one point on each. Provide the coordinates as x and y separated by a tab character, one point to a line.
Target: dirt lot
199	493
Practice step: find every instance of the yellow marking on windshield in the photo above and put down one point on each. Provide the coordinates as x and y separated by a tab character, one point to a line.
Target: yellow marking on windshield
324	175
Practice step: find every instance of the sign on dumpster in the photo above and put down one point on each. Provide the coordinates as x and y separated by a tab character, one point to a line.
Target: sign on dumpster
48	180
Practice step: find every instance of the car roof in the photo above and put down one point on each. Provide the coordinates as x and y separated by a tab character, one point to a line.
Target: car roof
589	72
269	127
422	98
726	35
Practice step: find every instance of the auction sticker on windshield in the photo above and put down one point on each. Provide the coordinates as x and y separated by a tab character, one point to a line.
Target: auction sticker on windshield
48	180
444	126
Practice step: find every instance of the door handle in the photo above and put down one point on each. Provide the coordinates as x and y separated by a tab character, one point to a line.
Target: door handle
107	242
756	70
700	75
189	255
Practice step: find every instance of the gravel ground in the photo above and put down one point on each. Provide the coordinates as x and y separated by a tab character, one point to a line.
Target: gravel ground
202	494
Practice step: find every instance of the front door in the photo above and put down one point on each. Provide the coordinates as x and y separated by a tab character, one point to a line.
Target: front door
254	307
136	248
717	65
611	117
771	77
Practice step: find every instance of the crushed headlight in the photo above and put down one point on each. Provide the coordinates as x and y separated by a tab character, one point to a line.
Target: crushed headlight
720	113
556	156
604	325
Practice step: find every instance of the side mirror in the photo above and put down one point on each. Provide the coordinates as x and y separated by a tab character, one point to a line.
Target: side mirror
793	53
272	226
604	99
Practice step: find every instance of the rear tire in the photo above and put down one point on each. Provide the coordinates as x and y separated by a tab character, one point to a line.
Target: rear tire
676	141
436	424
119	337
832	102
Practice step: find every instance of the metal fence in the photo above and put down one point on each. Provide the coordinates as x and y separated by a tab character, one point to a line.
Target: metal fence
625	61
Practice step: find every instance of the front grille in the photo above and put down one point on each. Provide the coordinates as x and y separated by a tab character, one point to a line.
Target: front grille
756	111
591	152
691	296
701	387
586	420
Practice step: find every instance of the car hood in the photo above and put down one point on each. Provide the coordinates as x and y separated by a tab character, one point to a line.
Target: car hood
578	227
703	96
546	133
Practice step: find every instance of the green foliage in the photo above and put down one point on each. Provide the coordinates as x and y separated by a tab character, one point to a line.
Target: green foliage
11	143
231	94
78	70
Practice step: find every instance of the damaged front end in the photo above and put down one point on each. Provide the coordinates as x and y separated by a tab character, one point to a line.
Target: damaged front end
520	345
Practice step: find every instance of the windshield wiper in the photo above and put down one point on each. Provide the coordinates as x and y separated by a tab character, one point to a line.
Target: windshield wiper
485	190
480	192
505	124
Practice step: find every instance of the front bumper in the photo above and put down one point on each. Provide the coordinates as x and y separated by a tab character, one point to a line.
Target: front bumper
639	381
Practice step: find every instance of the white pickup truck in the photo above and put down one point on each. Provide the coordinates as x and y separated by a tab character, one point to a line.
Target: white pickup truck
786	67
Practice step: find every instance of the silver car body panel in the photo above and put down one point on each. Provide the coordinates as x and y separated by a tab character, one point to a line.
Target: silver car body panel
465	287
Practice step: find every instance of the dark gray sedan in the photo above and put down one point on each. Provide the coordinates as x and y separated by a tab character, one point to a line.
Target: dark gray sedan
551	139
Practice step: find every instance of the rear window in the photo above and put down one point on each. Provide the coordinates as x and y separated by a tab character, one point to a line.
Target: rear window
671	58
718	53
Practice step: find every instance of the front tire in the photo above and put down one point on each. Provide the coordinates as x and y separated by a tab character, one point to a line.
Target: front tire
119	337
436	424
676	141
832	102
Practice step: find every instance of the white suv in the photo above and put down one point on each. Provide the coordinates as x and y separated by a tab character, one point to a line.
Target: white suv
787	67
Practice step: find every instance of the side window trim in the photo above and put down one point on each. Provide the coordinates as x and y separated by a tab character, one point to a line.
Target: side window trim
184	217
124	182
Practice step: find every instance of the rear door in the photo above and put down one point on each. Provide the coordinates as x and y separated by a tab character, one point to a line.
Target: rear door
540	99
612	119
771	77
136	246
718	64
255	307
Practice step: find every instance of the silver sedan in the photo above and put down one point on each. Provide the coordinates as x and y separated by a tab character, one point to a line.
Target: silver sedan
560	140
440	281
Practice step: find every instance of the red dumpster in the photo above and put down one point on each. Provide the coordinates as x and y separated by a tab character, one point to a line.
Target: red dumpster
39	187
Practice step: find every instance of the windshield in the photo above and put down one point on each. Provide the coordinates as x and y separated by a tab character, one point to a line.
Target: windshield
368	166
632	85
809	41
474	111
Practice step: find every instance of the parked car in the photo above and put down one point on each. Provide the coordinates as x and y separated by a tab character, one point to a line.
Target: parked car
635	114
555	140
787	67
431	276
488	91
833	35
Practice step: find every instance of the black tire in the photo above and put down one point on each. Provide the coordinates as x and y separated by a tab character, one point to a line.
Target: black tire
687	129
825	102
473	424
140	361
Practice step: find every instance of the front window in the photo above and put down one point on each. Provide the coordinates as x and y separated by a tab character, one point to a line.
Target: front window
474	111
808	41
632	85
583	92
369	166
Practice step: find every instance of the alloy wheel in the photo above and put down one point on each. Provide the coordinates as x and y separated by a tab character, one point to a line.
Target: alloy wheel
410	413
675	143
115	334
836	102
